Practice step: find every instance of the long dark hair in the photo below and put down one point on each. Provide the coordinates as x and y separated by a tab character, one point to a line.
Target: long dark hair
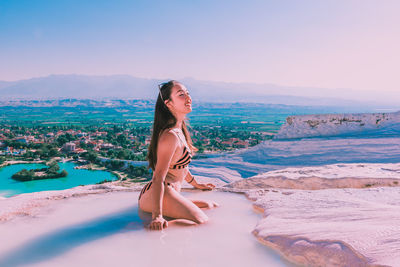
164	119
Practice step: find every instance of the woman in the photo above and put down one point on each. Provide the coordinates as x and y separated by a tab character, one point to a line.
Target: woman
170	152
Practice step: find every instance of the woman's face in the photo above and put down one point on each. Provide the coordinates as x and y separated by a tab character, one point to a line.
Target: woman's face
180	100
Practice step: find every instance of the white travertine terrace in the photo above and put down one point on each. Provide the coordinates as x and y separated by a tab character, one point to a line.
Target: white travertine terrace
327	176
336	124
342	170
332	215
331	227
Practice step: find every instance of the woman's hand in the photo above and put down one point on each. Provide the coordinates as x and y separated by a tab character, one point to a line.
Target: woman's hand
208	186
158	223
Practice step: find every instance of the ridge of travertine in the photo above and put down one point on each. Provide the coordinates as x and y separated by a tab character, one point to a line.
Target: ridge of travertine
316	125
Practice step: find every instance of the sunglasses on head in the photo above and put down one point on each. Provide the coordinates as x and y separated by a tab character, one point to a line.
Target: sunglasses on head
159	88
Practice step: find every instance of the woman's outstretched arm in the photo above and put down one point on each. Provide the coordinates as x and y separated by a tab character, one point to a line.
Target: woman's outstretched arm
190	179
201	203
166	147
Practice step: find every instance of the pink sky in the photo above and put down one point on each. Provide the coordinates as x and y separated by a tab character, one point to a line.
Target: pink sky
326	44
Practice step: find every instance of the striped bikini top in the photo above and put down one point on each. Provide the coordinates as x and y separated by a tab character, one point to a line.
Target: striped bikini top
186	156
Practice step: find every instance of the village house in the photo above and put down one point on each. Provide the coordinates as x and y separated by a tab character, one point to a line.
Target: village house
69	147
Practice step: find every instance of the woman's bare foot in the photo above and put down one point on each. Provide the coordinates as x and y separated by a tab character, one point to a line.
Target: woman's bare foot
205	204
181	222
212	204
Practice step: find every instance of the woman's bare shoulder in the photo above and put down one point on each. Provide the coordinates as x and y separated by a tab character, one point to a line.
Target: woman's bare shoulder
168	137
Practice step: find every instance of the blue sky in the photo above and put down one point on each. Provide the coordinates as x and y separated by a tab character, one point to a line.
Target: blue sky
330	43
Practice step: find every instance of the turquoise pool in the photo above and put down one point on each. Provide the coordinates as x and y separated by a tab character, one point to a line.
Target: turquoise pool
76	177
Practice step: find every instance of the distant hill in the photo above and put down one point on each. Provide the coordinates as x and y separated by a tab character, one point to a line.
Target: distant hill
129	87
71	102
198	106
79	87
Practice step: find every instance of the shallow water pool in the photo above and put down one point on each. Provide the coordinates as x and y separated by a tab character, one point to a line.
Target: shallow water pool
105	230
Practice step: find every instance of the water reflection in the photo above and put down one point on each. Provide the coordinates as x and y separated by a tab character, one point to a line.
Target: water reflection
56	243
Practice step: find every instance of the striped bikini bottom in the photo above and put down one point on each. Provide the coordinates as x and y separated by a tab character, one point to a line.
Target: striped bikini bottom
147	187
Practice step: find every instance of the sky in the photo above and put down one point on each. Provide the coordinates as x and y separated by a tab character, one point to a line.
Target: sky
344	44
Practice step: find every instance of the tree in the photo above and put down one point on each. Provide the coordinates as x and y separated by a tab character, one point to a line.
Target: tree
63	173
122	140
28	154
61	140
53	152
53	168
138	171
116	164
123	154
83	145
90	156
110	153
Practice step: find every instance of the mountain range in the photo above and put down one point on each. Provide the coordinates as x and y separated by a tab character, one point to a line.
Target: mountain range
129	87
